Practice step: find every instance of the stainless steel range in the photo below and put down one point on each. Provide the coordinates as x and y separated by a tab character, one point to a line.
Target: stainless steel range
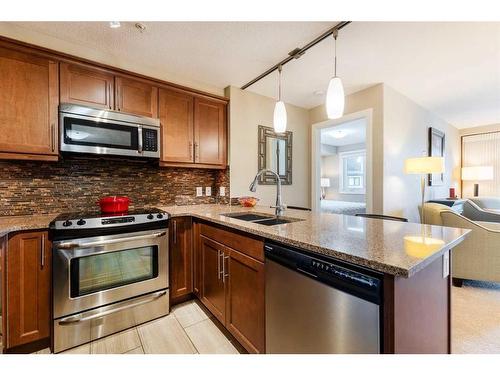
110	272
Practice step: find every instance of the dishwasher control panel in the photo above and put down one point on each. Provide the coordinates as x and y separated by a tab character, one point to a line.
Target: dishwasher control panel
343	273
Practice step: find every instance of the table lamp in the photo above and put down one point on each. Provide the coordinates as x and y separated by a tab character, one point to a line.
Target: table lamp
424	166
325	182
478	173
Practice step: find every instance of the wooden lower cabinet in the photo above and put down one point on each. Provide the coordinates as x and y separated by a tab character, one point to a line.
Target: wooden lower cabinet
27	266
245	307
231	283
181	258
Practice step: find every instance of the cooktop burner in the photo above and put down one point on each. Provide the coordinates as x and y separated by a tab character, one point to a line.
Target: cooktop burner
96	219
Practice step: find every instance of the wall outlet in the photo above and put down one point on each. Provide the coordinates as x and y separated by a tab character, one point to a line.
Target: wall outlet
222	191
199	191
208	191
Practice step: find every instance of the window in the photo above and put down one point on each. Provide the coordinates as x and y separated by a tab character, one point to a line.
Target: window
352	172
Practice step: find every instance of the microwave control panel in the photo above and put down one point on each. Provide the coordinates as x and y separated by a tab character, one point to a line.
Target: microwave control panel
150	140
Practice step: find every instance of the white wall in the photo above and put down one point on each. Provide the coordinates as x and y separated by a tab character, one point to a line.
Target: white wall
330	168
246	112
406	127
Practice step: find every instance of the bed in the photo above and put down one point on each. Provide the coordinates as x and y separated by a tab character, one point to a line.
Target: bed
342	207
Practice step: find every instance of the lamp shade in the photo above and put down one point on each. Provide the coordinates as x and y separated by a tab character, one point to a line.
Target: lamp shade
335	99
424	165
279	118
477	173
325	182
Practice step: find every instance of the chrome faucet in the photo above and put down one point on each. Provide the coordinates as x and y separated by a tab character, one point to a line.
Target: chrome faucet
280	207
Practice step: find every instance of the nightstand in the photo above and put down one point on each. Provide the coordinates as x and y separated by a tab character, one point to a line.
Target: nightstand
456	205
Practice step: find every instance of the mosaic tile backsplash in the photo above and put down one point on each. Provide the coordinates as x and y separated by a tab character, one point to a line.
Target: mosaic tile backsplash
73	184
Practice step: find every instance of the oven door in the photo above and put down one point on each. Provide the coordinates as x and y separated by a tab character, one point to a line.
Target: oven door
97	271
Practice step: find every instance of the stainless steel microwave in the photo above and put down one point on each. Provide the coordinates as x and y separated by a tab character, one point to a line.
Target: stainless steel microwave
97	131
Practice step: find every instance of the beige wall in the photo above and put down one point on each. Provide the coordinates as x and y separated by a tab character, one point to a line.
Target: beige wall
132	63
370	98
246	112
406	127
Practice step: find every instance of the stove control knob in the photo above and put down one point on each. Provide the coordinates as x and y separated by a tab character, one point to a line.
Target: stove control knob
159	216
150	217
67	223
81	222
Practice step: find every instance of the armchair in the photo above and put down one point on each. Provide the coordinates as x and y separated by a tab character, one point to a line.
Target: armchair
478	256
475	213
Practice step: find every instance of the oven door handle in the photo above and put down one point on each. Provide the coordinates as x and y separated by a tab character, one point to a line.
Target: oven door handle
75	245
80	318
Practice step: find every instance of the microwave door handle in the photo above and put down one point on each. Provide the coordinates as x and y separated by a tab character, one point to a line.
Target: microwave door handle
75	245
139	135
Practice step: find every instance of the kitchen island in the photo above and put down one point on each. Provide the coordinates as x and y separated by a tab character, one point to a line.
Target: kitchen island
412	261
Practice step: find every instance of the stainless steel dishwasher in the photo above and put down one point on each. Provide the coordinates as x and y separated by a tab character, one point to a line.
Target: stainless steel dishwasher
317	305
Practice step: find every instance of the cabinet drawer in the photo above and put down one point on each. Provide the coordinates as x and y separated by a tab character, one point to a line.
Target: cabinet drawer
241	242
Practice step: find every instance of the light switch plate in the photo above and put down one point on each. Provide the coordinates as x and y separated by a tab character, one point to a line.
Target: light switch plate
446	264
208	191
199	191
222	191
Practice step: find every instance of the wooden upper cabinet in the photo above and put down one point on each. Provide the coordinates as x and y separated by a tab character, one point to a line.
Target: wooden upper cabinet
87	86
29	99
137	97
177	133
181	257
28	274
210	132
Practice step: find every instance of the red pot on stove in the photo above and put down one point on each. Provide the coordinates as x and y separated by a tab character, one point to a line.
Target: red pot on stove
114	204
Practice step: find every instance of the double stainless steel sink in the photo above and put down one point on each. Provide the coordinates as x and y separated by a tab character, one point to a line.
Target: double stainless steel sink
260	218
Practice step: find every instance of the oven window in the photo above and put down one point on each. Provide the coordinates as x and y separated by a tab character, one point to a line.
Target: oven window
99	134
100	272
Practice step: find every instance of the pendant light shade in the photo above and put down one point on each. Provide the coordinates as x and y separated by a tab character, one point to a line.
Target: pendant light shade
335	99
279	117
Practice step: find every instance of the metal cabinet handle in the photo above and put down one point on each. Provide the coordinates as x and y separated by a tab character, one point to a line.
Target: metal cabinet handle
196	151
42	252
109	95
52	137
224	274
78	318
190	148
175	231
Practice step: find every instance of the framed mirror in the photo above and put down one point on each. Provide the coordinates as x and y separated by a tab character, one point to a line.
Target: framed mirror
275	153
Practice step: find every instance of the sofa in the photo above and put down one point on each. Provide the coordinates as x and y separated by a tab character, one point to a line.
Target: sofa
475	212
487	203
478	256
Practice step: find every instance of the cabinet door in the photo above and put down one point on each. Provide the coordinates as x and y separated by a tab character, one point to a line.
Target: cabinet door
245	309
29	97
176	118
196	260
137	97
87	86
212	282
210	132
28	288
181	257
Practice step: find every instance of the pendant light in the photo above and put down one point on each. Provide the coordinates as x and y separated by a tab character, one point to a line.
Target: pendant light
279	117
335	98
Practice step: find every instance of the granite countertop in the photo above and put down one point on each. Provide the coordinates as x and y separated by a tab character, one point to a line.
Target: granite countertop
397	248
25	222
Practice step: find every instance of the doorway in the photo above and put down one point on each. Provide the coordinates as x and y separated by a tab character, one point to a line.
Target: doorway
342	164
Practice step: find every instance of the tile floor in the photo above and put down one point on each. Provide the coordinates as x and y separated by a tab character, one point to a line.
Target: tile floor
189	329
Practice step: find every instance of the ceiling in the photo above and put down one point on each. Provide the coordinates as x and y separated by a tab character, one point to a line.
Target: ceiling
452	69
353	132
